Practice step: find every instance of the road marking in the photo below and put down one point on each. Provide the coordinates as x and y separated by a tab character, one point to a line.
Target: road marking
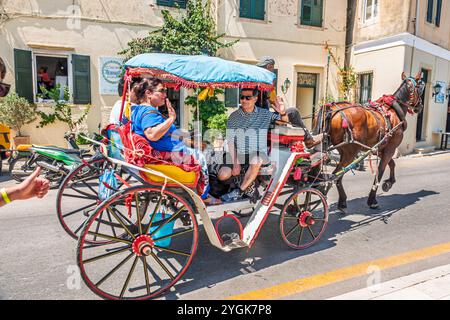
304	284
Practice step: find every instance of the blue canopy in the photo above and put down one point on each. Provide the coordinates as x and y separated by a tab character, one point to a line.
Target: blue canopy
201	71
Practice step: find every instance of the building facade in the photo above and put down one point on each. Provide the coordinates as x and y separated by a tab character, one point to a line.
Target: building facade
76	43
411	36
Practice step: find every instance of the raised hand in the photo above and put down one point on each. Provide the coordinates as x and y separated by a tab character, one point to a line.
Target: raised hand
171	110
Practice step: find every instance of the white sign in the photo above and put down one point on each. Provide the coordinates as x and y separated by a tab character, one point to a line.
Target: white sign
110	71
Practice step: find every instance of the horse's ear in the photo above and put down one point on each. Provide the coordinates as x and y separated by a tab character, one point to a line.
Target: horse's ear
419	75
403	76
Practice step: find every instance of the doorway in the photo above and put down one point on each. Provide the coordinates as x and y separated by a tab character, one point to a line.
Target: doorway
306	96
420	116
447	129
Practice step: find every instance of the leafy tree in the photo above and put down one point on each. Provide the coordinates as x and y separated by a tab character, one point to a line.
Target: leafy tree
15	112
208	108
61	109
194	34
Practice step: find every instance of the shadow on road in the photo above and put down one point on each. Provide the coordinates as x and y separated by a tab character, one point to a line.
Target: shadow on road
211	266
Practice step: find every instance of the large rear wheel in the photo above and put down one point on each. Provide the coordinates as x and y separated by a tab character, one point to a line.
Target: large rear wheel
149	245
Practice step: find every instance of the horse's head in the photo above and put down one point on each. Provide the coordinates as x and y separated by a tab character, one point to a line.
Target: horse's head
410	92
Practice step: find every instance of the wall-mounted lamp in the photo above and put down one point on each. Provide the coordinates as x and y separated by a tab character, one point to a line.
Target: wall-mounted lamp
286	85
437	88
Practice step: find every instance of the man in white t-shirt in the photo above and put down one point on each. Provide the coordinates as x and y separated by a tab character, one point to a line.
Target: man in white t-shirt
114	116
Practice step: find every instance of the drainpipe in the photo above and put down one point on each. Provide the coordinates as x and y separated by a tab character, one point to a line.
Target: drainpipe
350	25
416	28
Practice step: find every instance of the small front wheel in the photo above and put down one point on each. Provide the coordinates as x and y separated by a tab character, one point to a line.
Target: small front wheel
304	218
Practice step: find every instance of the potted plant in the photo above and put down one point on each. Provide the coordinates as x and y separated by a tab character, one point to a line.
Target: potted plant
15	112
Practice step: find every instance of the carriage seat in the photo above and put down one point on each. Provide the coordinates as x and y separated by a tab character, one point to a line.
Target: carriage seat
137	151
286	134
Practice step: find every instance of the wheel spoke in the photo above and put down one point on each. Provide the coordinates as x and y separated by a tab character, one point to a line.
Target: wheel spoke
87	185
95	196
187	254
300	237
147	282
311	232
292	230
98	225
174	235
78	210
162	265
79	197
101	235
138	212
168	220
106	255
121	215
109	274
112	225
154	214
121	223
125	285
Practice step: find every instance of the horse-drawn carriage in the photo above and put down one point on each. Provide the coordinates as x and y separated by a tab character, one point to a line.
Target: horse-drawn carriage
137	217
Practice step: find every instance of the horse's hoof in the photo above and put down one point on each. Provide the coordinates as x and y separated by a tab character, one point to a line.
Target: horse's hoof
342	211
387	185
374	206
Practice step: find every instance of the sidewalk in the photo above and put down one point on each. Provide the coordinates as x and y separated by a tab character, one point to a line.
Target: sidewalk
432	284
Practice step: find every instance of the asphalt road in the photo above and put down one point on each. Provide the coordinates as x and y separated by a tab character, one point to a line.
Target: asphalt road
38	259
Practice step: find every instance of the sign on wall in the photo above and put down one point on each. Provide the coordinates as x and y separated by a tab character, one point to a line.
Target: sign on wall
440	97
109	74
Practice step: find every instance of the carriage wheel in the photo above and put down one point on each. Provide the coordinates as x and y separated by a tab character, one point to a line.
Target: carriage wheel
77	197
304	218
159	240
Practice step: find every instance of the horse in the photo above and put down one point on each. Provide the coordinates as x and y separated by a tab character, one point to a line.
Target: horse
365	126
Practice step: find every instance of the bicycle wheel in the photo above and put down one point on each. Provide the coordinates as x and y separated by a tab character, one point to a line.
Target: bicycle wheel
159	241
304	218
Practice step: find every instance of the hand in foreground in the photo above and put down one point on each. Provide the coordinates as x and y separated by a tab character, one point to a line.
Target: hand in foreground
31	187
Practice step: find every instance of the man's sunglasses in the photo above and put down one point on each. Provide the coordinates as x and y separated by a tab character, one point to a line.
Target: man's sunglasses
247	97
4	89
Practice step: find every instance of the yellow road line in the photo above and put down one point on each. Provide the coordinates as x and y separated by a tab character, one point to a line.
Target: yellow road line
320	280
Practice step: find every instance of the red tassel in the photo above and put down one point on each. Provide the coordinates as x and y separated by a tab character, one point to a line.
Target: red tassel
344	124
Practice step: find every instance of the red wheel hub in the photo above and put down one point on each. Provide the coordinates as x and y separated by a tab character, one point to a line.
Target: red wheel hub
306	219
142	244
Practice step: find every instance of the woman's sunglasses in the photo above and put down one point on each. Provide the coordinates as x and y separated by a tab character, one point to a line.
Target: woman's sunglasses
4	89
163	90
246	97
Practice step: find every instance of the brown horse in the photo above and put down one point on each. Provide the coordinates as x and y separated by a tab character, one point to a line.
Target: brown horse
357	124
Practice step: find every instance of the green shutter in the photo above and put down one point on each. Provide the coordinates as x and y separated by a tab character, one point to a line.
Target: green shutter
23	67
245	9
438	13
172	3
430	11
258	9
81	69
311	13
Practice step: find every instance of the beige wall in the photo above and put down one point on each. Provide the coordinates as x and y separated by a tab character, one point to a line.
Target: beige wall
387	78
437	35
281	36
393	17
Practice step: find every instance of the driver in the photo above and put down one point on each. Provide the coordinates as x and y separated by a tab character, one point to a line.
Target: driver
247	130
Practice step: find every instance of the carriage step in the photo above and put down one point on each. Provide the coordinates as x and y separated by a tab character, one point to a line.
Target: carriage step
218	210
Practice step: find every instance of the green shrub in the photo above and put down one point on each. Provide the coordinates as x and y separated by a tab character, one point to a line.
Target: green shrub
15	112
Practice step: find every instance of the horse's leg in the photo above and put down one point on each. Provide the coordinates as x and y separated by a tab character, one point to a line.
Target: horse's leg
387	184
386	157
347	156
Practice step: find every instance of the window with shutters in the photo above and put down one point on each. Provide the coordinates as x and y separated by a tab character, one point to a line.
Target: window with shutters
369	11
41	69
434	8
365	87
50	72
172	3
311	13
252	9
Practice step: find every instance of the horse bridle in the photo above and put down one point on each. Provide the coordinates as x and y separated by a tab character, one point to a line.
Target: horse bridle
414	98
